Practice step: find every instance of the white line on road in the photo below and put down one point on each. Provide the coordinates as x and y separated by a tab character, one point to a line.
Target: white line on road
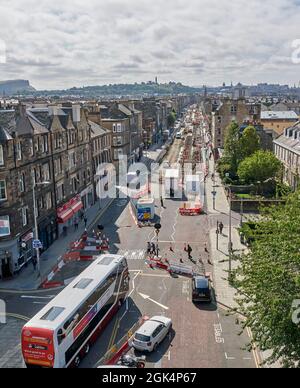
146	297
229	358
37	297
10	354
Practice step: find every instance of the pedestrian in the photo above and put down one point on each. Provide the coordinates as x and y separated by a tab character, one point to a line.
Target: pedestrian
149	248
189	251
76	225
206	249
85	221
221	228
34	263
81	215
152	248
162	202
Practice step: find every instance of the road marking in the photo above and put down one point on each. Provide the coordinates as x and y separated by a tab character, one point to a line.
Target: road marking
133	283
12	353
254	351
154	275
37	297
114	334
17	316
146	297
229	358
168	356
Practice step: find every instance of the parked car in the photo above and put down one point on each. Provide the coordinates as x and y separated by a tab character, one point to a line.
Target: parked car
201	289
178	135
151	334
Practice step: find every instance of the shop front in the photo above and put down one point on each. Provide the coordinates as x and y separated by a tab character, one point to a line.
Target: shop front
48	231
87	197
67	214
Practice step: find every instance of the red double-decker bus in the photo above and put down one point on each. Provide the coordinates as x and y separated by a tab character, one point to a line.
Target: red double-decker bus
61	334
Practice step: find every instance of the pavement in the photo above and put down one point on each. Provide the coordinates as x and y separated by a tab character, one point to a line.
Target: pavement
28	279
220	256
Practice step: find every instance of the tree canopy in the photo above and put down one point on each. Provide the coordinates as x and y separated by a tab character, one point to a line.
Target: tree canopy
249	142
268	283
232	150
259	167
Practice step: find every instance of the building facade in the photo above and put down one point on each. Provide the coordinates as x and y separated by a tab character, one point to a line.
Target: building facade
46	150
287	150
278	121
227	110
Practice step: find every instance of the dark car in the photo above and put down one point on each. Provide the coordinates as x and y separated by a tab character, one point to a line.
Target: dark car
201	289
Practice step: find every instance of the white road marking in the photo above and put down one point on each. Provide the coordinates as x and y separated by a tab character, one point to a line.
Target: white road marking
133	283
146	297
168	356
37	297
10	354
229	358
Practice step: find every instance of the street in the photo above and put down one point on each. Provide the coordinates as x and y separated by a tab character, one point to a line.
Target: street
204	336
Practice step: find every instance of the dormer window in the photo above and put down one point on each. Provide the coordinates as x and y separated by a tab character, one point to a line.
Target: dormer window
1	156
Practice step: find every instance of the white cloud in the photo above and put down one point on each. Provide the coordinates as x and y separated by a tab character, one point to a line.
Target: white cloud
60	44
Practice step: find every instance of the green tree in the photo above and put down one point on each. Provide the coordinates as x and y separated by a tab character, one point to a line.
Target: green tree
259	167
268	283
232	149
249	142
171	119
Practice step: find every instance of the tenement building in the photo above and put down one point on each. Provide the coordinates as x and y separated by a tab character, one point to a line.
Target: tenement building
46	151
287	150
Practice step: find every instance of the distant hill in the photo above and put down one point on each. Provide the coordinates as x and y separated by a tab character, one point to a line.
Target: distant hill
142	89
13	87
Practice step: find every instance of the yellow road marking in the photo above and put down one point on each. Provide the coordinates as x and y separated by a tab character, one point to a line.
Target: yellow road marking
17	316
114	334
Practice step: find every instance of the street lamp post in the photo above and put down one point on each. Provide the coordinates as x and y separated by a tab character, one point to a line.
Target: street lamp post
230	233
35	216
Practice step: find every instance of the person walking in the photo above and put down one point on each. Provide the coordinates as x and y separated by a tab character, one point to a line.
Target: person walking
149	248
162	202
34	263
76	224
85	221
221	228
206	249
189	251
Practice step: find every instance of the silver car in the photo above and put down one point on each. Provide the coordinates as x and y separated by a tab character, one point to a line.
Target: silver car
152	334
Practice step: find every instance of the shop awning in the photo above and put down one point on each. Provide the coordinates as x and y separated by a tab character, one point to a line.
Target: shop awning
77	206
65	216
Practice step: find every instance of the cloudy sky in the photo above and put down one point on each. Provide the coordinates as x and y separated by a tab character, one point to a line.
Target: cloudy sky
60	44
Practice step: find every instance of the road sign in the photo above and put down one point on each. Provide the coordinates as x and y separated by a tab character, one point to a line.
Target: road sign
36	244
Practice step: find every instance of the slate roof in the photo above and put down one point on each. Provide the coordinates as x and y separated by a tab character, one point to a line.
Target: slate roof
279	115
290	139
97	130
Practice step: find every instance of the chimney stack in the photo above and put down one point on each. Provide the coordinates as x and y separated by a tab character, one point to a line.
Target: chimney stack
76	113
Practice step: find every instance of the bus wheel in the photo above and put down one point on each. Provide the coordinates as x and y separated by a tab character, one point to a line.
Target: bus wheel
77	361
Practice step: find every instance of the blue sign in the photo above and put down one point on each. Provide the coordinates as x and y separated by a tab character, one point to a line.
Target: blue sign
36	244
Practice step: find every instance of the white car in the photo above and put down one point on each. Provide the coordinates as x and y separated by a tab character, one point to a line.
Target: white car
152	334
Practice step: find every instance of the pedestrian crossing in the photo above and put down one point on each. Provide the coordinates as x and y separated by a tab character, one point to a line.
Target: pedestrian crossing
137	254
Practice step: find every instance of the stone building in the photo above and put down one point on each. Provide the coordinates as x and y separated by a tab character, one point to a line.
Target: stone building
227	110
26	162
47	148
287	150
